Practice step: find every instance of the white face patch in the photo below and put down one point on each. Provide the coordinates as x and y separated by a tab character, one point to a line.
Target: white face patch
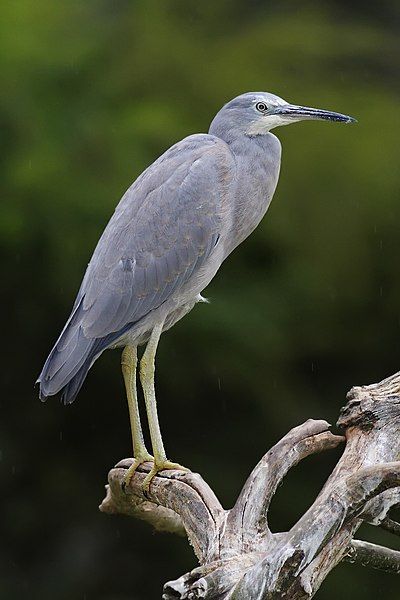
264	122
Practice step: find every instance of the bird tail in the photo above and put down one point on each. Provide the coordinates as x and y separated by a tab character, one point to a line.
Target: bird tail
70	359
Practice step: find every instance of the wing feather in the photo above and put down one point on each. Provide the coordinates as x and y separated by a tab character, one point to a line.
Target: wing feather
165	227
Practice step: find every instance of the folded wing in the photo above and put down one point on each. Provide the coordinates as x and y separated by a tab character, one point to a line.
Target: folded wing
164	229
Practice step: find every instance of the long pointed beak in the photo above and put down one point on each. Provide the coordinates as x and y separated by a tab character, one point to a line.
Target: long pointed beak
300	113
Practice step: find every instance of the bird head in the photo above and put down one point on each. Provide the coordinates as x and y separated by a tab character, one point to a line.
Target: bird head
256	113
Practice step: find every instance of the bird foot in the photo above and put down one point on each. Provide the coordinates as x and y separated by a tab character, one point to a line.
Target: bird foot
161	465
142	458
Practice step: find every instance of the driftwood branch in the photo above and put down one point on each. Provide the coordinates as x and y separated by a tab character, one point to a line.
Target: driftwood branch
371	555
390	525
239	556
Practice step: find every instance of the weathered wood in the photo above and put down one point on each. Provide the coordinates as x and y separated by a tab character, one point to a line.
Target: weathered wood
240	558
376	557
390	525
250	513
177	502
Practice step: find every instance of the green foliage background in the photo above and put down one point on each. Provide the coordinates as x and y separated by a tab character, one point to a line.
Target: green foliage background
94	91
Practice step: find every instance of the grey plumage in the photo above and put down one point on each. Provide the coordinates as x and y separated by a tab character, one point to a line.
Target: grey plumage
170	233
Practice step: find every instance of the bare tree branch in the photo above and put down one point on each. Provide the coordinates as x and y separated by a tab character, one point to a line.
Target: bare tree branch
390	525
371	555
175	499
240	558
250	511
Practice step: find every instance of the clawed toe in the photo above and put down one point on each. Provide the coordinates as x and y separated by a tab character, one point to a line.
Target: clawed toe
158	466
132	469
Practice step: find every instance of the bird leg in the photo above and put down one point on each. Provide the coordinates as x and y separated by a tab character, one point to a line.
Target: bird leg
140	453
147	372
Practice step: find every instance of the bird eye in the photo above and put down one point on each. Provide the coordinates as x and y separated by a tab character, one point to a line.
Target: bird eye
260	106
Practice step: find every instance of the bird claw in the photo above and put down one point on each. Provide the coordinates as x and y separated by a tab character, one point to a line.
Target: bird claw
132	469
158	466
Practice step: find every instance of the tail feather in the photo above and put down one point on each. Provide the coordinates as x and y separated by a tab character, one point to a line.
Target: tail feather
59	369
72	388
70	359
72	356
63	350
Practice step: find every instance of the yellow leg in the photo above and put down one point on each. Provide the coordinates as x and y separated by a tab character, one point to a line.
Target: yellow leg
147	372
128	365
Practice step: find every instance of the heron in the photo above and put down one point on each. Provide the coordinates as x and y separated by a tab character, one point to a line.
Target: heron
167	238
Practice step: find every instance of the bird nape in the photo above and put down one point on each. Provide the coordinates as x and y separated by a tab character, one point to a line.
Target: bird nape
166	240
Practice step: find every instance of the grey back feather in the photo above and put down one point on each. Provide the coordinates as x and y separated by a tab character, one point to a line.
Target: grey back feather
163	229
161	233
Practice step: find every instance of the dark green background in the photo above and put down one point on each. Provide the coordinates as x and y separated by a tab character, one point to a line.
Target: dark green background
91	93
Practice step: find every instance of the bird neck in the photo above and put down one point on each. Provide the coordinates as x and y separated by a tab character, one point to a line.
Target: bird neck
255	147
239	142
257	161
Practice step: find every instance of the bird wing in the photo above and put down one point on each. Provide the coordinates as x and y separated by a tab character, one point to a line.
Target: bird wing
164	228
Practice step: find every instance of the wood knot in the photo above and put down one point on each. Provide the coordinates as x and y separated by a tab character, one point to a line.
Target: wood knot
357	413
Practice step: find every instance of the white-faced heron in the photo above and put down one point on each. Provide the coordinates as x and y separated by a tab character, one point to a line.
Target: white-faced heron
166	240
